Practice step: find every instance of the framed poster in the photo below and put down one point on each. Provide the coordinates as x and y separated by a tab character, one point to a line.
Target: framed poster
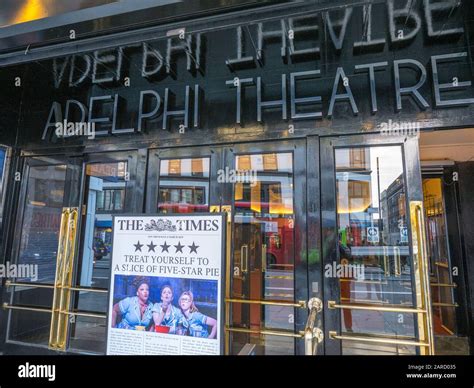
167	293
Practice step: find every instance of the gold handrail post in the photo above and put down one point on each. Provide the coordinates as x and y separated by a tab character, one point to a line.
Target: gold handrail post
421	275
228	244
57	278
63	279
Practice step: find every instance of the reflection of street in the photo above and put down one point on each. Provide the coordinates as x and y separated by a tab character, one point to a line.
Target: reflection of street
101	272
372	231
279	286
378	289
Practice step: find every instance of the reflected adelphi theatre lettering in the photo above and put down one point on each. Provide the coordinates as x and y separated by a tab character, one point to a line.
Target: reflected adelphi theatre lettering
300	41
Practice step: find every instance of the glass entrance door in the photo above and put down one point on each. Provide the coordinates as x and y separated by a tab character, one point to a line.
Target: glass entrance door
375	270
63	244
109	188
268	283
46	184
446	280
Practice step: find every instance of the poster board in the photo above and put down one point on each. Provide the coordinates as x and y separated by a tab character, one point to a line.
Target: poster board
167	293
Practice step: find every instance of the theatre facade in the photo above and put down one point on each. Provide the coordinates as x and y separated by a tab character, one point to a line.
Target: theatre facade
336	137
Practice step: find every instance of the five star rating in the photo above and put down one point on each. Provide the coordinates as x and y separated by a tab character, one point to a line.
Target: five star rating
178	248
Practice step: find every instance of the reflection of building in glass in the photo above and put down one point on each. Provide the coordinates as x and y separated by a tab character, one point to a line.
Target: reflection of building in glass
266	205
354	195
106	188
184	186
264	239
394	213
42	218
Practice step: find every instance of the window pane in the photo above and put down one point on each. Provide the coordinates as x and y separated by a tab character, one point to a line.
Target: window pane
263	259
184	186
42	219
185	167
106	187
105	195
374	263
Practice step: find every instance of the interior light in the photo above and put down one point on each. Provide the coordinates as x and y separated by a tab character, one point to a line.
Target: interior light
31	10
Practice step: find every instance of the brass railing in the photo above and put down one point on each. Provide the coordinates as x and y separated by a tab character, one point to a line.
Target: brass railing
375	307
48	310
299	304
9	283
378	339
63	279
277	333
421	276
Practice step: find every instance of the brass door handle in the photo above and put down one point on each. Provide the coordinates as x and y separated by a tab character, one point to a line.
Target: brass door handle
386	262
244	254
312	334
264	257
397	262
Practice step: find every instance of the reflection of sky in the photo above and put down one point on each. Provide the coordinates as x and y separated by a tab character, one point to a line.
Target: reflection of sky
19	11
390	168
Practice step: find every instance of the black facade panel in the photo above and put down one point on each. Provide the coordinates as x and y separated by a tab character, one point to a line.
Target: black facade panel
210	67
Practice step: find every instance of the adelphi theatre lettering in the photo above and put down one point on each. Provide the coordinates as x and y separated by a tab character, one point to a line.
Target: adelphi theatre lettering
394	26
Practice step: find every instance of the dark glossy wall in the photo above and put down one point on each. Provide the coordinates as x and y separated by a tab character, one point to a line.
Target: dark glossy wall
28	106
10	107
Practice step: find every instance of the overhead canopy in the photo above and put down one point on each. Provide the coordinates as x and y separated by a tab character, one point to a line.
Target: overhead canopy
25	23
